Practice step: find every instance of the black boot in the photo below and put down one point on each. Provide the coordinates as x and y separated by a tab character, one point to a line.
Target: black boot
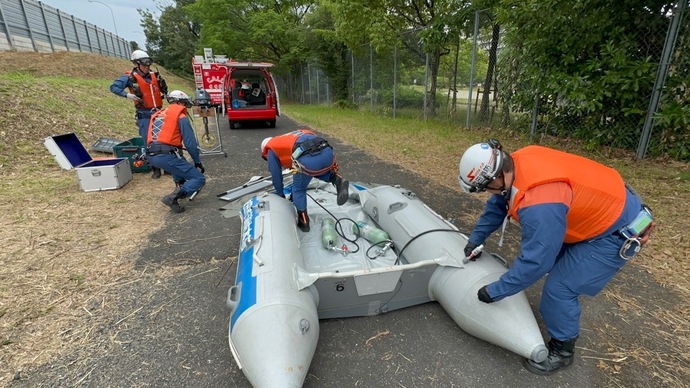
561	355
342	187
303	220
171	199
178	187
156	173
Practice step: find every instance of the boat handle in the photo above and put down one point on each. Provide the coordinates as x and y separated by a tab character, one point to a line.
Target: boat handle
233	295
500	259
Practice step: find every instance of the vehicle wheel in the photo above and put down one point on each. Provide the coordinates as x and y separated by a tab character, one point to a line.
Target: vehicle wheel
233	125
271	123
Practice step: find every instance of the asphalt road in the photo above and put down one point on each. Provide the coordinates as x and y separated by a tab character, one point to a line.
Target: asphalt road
169	328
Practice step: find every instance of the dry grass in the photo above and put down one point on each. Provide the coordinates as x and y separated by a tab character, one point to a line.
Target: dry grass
64	250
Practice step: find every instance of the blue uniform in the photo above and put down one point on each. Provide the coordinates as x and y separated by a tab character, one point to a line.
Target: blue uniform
315	161
582	268
183	172
141	115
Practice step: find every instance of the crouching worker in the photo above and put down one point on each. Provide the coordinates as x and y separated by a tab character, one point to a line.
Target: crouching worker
312	157
580	224
168	131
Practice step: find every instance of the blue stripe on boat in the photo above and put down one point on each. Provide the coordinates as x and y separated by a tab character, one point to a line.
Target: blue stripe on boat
245	280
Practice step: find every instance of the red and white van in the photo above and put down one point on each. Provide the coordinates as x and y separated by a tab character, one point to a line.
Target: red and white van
247	93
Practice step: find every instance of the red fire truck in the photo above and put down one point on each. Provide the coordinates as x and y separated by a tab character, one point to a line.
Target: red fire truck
246	91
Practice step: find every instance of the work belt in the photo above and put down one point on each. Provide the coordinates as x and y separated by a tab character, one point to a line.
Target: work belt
143	113
313	146
156	149
636	233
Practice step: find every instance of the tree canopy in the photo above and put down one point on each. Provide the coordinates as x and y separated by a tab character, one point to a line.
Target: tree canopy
589	65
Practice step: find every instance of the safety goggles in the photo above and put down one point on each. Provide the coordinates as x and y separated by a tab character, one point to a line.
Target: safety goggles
145	61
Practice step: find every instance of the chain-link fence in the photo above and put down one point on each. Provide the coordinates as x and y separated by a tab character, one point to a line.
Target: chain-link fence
479	80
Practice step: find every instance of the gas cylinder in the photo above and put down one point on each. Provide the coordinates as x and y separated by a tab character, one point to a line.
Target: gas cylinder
373	234
328	234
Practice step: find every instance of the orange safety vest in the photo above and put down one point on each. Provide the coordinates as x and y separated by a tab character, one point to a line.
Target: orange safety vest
164	127
282	145
598	190
151	92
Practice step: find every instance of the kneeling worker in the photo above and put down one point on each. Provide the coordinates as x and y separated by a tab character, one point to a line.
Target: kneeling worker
311	156
168	130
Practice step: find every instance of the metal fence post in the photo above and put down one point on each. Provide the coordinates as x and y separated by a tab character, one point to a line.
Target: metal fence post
352	57
371	78
535	116
474	61
7	28
309	81
301	80
45	23
426	85
26	17
669	45
395	76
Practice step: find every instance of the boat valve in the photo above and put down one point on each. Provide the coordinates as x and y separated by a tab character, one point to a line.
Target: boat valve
343	250
383	250
473	254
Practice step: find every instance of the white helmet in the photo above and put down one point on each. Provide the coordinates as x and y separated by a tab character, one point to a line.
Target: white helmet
179	96
141	57
480	165
264	143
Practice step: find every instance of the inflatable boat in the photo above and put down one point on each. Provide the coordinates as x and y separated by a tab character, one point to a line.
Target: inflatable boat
383	250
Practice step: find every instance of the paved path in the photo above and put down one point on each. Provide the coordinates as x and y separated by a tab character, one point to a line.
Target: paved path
177	336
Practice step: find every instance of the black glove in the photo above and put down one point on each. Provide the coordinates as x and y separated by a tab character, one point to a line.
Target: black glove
162	85
483	295
469	248
200	167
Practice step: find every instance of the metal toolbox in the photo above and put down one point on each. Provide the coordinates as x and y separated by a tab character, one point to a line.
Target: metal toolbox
93	175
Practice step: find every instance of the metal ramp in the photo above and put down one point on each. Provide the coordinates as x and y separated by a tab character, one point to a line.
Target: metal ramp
254	185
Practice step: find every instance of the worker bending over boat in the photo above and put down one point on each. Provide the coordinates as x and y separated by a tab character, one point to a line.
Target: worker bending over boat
311	156
580	223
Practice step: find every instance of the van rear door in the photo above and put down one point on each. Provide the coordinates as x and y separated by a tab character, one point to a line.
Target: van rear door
275	90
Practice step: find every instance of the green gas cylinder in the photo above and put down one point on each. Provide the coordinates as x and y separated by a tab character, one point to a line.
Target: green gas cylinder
328	234
371	233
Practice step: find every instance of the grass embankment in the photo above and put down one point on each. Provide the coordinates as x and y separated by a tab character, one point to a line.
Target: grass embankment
63	250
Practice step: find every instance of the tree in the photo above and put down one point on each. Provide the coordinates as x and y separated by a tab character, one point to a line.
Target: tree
134	45
172	39
592	62
330	52
384	23
257	30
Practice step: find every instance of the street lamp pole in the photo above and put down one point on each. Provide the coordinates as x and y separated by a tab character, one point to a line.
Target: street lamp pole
112	14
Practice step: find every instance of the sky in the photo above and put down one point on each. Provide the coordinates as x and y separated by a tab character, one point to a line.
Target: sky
127	19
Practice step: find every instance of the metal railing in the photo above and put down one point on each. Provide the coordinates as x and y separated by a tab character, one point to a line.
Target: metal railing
28	25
